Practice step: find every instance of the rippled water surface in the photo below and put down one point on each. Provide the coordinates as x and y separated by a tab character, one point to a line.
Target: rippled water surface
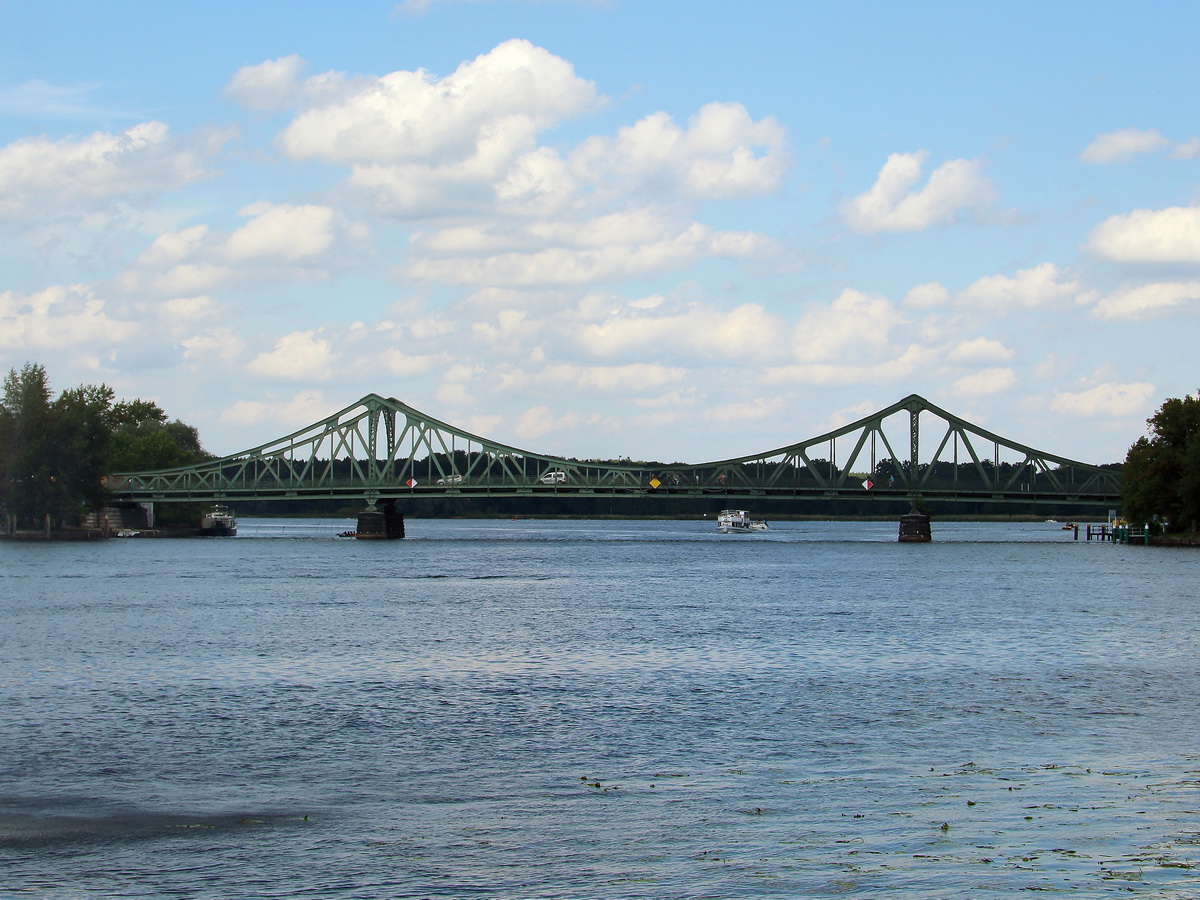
547	709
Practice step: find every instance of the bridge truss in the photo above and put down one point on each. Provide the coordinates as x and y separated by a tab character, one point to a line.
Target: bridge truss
381	449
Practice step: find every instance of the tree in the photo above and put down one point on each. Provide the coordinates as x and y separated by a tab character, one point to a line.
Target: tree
143	439
31	487
54	453
81	426
1162	470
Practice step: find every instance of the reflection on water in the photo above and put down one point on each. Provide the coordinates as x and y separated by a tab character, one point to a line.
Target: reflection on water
599	709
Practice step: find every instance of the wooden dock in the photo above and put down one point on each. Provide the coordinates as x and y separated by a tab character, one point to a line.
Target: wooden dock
1117	534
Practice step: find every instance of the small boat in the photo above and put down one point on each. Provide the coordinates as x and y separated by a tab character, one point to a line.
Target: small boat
219	522
738	521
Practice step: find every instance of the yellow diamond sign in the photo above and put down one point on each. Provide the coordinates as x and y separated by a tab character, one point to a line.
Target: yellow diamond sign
654	483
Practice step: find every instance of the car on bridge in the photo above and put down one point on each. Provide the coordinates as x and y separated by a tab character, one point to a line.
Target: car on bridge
554	476
452	479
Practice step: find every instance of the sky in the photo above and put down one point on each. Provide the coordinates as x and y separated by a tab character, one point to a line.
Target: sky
677	231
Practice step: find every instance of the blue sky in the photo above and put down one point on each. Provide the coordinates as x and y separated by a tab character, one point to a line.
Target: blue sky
660	230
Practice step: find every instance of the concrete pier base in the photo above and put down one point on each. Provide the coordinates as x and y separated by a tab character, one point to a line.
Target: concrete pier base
380	523
914	528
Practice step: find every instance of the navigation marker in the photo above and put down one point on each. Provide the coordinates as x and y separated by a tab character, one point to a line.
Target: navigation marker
412	482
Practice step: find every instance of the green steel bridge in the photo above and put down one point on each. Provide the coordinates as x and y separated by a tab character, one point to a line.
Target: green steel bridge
380	450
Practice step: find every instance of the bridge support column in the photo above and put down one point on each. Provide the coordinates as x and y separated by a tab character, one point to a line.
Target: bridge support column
914	528
376	524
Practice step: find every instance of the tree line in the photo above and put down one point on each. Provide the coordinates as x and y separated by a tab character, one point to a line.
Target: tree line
56	451
1161	485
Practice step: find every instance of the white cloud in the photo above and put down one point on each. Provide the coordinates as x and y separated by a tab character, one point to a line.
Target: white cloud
187	309
535	182
622	379
192	278
482	425
979	350
722	153
1105	401
215	344
453	394
1124	145
1188	149
1151	236
285	232
572	255
747	332
179	317
894	204
172	247
273	84
984	383
856	326
57	317
423	146
637	227
540	420
502	97
302	409
1148	300
927	296
419	145
499	179
1039	287
898	367
1054	368
276	242
299	356
404	365
511	328
40	177
756	409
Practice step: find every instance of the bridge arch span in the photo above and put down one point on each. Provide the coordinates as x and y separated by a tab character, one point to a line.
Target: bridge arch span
381	448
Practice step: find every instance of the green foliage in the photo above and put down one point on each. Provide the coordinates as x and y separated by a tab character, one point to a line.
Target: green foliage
54	453
80	429
30	486
154	444
1162	470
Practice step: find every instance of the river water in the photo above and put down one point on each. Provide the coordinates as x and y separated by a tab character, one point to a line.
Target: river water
579	709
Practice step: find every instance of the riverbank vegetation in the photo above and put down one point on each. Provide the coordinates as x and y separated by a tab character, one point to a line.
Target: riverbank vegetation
55	451
1161	484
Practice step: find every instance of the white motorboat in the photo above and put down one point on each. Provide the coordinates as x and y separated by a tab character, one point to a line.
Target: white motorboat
219	522
738	521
